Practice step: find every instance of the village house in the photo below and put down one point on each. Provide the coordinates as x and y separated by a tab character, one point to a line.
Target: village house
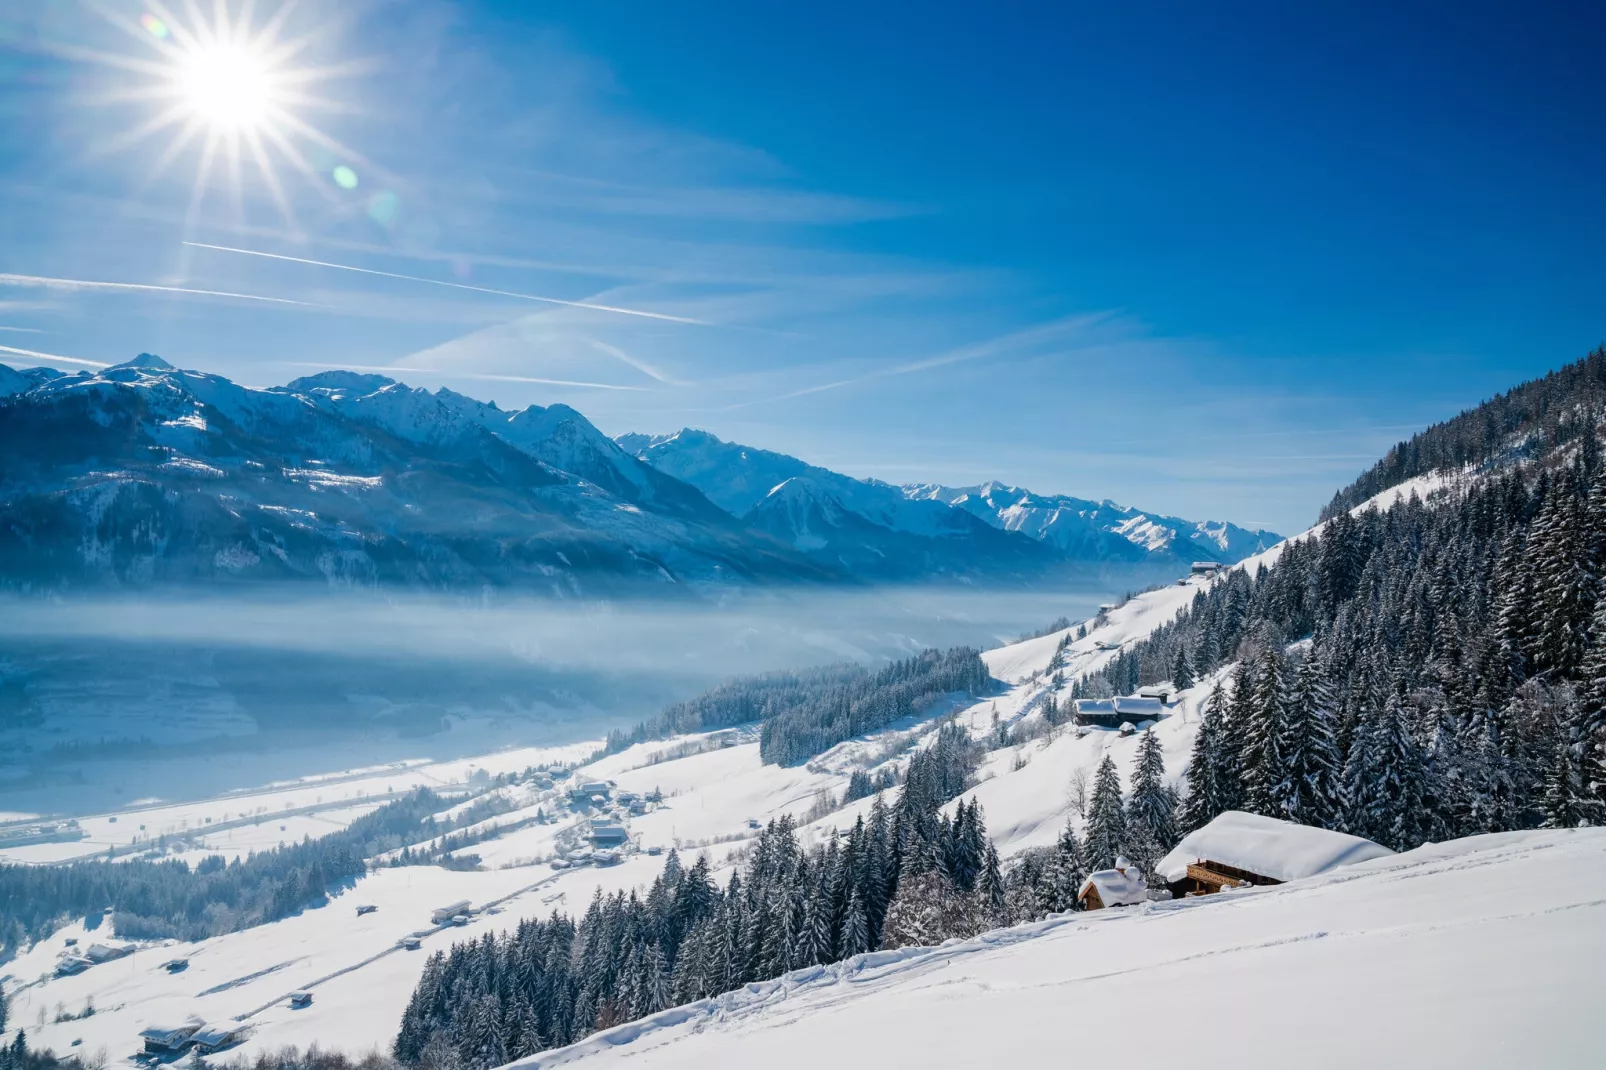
1114	712
442	915
1118	887
1243	850
215	1036
169	1038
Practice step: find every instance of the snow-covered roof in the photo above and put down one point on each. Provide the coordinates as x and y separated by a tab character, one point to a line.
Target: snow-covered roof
1126	705
1116	888
1280	850
214	1033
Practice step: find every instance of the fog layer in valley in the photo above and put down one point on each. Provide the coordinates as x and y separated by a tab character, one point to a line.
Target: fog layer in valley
107	700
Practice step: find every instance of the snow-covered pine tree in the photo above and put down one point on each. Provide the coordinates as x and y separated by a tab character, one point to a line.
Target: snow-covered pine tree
1106	817
1205	799
1263	763
1181	669
1152	804
1308	791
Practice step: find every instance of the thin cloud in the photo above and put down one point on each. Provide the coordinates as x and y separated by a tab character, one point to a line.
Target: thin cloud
455	285
80	285
22	330
487	376
635	362
53	356
1004	343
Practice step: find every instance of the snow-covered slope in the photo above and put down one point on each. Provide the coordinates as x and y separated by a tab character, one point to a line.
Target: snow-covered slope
1482	952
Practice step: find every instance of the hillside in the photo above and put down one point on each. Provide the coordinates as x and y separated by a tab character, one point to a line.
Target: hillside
1405	961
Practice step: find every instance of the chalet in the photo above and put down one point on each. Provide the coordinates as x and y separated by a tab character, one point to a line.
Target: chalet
301	999
215	1036
1113	712
1204	568
1163	692
1106	644
606	858
170	1038
365	908
442	915
98	953
176	965
590	793
1118	887
410	943
72	964
608	834
1238	850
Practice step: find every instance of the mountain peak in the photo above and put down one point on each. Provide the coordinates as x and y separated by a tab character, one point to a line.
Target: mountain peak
148	361
361	383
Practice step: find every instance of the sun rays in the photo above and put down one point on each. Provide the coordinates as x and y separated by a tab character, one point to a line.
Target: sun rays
216	84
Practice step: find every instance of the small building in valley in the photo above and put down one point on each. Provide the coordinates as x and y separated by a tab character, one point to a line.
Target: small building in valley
608	834
1118	887
215	1036
1205	568
169	1038
1240	850
442	915
1114	712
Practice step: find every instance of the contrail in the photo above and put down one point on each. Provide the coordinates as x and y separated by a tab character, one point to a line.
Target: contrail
459	375
53	356
45	282
23	330
454	285
635	362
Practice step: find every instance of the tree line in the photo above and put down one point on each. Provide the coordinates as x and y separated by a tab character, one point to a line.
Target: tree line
167	899
802	713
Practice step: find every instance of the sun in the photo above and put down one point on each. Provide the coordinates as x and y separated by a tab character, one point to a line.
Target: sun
232	93
228	86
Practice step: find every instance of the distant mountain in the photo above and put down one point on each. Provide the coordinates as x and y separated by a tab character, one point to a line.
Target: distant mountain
867	524
1099	530
144	474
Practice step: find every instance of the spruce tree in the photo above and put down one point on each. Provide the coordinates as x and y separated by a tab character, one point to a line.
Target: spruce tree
1205	799
1106	817
1152	804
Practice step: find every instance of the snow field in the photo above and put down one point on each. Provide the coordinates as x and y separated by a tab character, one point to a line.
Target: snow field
1483	952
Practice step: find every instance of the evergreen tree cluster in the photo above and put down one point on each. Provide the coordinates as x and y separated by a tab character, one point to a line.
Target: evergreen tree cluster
156	900
1453	678
1535	418
906	874
806	712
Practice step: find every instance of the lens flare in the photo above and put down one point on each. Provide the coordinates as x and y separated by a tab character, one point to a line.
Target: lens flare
154	26
344	177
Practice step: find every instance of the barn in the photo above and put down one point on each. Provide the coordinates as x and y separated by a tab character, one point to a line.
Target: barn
1238	850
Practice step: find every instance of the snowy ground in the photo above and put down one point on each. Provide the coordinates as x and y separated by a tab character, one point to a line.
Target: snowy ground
1489	951
1078	985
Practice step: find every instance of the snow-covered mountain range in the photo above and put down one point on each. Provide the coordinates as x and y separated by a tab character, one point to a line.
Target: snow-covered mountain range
145	474
828	514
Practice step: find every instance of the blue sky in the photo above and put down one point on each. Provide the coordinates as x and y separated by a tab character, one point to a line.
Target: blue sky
1207	259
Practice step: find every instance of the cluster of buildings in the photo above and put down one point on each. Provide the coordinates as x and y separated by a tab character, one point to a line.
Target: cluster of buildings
77	961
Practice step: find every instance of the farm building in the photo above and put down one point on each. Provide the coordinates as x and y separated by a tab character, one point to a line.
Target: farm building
442	915
1238	849
608	834
1113	712
98	953
170	1038
215	1036
1118	887
71	964
1205	568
